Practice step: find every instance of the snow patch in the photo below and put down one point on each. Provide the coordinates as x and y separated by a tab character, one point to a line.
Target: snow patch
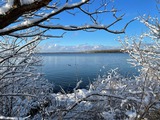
13	118
131	115
26	2
83	0
6	7
26	22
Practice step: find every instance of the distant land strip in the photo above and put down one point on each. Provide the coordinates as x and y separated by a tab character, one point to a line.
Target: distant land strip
90	51
105	51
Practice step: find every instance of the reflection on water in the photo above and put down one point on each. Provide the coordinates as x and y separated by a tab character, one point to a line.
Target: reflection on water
66	70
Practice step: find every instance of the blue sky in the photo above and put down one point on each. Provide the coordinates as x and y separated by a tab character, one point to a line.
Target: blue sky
81	40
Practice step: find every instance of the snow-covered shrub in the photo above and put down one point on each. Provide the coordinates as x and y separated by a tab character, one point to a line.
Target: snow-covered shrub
111	97
102	100
145	53
19	78
107	98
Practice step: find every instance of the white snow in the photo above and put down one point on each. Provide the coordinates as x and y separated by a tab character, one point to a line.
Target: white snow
9	5
26	22
123	102
6	7
153	28
26	2
12	118
108	115
131	114
83	0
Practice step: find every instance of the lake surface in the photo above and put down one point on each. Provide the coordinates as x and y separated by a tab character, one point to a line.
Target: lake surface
66	70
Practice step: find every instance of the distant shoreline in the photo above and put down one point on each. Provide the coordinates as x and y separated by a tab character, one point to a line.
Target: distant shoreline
92	51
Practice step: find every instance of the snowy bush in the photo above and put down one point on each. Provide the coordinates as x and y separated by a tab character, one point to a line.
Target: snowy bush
145	53
19	78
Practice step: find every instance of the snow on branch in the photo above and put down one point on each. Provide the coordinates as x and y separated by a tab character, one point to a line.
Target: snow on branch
18	94
20	81
88	27
152	23
41	13
13	118
15	10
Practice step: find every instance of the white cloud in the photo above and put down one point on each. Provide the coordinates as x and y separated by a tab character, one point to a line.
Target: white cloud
76	48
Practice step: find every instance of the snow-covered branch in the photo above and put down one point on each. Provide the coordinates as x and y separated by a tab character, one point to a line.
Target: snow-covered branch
17	94
19	77
88	27
17	15
13	9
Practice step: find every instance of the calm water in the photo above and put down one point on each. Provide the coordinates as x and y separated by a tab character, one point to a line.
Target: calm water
66	70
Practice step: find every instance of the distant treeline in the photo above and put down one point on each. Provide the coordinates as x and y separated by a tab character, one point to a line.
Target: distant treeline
105	51
91	51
